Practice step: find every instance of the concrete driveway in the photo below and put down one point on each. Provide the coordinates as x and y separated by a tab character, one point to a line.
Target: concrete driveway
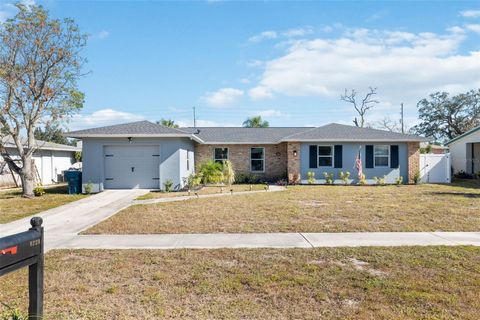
64	222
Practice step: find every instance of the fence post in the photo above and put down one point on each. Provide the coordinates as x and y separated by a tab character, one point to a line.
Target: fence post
35	277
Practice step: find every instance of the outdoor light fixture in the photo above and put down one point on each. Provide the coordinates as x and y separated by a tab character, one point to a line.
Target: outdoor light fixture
294	153
129	139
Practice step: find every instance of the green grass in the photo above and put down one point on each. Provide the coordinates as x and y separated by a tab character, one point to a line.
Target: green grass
13	206
324	283
425	207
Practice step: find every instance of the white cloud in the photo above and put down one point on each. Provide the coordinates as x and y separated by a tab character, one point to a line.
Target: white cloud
263	36
267	113
404	66
223	97
470	13
298	32
103	117
473	27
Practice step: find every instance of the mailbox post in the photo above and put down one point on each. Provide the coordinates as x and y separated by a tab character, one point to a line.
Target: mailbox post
26	249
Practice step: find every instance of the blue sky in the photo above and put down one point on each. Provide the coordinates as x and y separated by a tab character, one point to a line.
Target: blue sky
288	61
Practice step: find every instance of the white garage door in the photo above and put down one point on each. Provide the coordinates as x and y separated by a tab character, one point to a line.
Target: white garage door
129	167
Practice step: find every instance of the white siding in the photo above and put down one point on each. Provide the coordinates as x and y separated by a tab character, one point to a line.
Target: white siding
461	154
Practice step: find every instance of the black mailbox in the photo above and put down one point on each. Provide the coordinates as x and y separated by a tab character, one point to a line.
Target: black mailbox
22	250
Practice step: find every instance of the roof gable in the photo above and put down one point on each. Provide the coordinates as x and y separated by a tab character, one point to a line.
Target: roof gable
466	134
133	128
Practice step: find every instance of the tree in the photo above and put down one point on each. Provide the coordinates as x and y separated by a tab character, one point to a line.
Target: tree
367	103
40	64
444	117
51	133
167	123
255	122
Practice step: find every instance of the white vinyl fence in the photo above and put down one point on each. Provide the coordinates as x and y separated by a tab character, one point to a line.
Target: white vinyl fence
435	168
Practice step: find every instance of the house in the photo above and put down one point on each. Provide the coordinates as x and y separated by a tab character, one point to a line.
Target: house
51	159
465	152
145	155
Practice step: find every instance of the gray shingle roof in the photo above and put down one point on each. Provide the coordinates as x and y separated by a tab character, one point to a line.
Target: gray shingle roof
237	135
341	132
243	135
40	144
132	128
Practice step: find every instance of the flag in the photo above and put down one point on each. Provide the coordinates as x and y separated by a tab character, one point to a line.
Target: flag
358	165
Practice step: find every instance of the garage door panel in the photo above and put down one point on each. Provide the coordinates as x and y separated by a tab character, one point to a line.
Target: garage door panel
131	167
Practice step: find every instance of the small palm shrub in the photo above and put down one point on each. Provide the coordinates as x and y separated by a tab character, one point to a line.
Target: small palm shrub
193	180
167	185
228	173
39	191
380	181
211	172
344	176
88	188
362	180
416	177
311	177
399	180
328	178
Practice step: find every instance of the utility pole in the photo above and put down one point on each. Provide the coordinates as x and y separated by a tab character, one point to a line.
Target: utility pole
194	118
401	118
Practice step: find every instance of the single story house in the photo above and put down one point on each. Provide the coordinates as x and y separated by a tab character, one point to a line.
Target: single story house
145	155
465	152
51	159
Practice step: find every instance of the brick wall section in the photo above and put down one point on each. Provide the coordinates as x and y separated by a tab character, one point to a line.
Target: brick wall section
413	150
293	162
239	155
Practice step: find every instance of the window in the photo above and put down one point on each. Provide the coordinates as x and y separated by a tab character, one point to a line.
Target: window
382	156
257	159
325	156
220	154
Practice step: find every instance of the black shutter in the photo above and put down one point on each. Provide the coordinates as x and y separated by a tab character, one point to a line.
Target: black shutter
313	157
338	156
369	156
394	156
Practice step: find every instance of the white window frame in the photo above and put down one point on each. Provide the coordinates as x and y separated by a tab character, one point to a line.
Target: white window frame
214	154
332	148
263	158
375	156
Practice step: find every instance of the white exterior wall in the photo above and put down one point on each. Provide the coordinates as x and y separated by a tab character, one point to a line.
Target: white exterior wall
173	153
461	155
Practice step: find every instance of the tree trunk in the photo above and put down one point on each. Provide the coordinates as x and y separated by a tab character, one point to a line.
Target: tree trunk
27	175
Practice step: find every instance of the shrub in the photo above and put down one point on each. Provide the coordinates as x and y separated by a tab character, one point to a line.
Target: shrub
192	181
328	178
247	178
311	177
39	191
168	184
416	177
211	172
380	181
344	176
399	180
78	156
88	188
228	173
362	180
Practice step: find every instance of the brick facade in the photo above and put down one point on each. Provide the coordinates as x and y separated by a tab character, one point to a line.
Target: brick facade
293	162
239	155
413	151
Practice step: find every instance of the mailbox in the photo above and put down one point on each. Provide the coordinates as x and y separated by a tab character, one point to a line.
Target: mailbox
25	249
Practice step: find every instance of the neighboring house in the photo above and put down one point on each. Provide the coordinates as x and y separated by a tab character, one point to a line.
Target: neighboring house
51	159
145	155
465	152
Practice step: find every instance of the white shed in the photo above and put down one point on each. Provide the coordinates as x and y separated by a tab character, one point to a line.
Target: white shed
50	160
465	152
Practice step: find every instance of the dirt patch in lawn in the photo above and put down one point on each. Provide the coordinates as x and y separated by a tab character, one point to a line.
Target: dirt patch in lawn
309	209
13	206
416	282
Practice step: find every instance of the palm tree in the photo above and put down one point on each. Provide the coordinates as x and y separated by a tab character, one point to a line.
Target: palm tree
167	123
256	122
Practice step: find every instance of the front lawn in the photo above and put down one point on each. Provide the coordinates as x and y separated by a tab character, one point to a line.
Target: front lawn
13	206
341	283
426	207
204	190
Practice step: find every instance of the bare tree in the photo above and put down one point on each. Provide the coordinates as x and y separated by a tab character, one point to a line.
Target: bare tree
367	103
40	63
388	124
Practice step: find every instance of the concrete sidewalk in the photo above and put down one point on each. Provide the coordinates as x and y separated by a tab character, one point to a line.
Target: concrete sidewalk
271	240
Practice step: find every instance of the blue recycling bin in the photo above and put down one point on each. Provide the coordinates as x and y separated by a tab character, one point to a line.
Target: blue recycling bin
74	179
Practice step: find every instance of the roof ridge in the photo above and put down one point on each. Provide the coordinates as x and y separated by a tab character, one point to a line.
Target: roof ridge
296	133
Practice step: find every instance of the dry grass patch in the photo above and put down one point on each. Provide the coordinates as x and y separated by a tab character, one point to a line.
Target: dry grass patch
347	283
202	191
453	207
13	206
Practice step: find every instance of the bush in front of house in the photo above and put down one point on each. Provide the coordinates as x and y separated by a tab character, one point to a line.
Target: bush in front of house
39	191
380	181
228	172
247	178
328	178
211	172
399	180
344	176
362	180
168	185
311	177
